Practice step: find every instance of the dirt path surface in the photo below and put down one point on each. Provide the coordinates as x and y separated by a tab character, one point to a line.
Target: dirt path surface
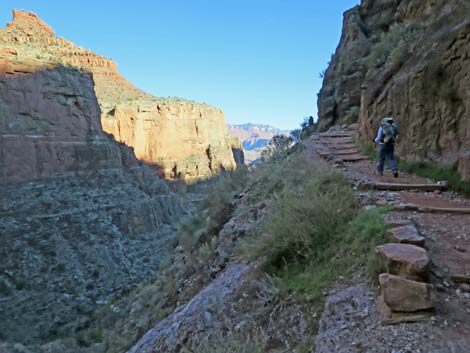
447	241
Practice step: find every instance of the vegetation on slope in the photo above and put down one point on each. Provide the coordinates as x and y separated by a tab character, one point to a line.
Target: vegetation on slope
314	234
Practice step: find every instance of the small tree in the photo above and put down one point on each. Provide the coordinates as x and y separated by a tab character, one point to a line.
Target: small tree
277	148
295	134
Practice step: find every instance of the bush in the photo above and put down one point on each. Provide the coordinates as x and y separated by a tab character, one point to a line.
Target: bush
277	149
304	223
219	203
316	234
437	172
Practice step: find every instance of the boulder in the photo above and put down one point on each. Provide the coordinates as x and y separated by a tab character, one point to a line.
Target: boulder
390	317
405	260
406	235
402	295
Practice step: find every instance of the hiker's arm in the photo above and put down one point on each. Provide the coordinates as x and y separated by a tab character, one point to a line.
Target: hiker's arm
379	135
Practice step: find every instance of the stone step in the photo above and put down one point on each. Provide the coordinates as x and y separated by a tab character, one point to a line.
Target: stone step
404	260
394	222
402	187
393	318
344	146
407	234
336	140
336	134
460	277
346	152
403	295
353	158
430	209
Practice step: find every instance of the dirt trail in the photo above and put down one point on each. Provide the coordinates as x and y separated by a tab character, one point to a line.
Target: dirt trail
447	241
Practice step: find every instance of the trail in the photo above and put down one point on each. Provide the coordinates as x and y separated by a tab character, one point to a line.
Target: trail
435	217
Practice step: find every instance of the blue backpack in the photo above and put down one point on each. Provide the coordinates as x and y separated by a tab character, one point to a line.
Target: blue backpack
390	130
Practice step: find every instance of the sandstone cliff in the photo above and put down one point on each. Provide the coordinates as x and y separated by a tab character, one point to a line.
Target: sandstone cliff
408	59
182	139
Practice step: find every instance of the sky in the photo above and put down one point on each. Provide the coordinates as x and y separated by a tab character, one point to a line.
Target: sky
257	60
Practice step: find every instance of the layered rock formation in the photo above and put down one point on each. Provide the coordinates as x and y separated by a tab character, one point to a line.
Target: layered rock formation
408	59
182	139
82	219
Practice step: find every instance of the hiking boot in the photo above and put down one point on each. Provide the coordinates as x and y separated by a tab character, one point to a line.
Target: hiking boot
395	174
380	172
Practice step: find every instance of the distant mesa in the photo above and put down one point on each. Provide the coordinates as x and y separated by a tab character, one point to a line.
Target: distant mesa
254	137
180	138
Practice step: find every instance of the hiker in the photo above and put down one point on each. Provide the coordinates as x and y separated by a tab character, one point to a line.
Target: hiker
386	137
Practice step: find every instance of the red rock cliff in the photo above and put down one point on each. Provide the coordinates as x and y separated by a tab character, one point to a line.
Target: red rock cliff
50	123
182	139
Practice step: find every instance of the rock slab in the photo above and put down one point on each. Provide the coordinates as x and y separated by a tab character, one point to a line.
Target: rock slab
405	260
402	295
407	234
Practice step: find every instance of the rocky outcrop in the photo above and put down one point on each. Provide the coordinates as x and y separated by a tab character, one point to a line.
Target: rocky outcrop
207	311
181	139
82	219
408	59
50	124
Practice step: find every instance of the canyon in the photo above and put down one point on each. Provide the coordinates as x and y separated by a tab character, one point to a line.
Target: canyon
85	214
101	254
254	138
409	60
83	220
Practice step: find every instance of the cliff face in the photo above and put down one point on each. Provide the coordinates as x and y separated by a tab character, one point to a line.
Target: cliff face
182	139
49	124
82	219
408	59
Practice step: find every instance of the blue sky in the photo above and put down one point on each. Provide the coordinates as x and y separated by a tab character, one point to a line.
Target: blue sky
258	60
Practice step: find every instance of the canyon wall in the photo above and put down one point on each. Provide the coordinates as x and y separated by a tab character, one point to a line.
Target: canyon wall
182	139
83	221
410	60
49	124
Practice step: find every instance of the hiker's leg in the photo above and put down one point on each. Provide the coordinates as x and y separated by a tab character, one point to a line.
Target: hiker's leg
392	163
380	165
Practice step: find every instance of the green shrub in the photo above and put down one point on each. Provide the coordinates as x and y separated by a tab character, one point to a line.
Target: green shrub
370	150
219	203
277	149
304	223
437	172
316	235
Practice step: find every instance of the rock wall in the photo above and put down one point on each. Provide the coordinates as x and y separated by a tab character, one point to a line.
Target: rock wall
408	59
182	139
49	124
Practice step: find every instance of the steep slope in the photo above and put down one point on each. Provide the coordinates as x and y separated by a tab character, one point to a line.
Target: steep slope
182	139
82	220
408	59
